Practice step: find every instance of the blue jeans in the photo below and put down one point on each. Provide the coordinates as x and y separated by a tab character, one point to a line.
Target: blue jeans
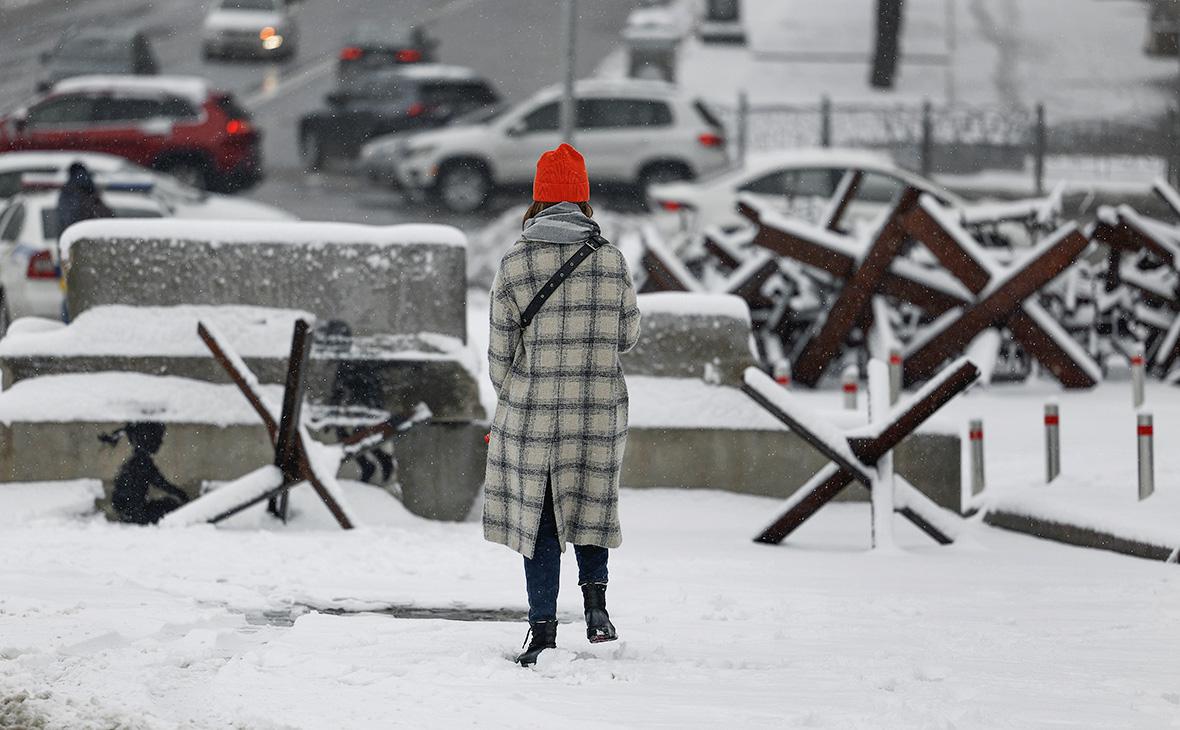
542	572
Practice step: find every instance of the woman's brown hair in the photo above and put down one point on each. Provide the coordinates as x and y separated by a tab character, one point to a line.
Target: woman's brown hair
538	206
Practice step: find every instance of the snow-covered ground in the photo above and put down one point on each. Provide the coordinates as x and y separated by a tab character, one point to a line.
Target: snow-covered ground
116	626
1005	53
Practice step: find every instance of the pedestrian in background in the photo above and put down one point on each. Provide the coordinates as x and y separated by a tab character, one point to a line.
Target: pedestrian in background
560	428
79	199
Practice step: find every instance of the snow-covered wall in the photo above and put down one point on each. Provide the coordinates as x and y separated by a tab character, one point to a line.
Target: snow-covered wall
403	279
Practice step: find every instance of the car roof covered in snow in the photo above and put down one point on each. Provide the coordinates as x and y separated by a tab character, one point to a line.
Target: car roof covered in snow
96	161
193	88
432	71
620	87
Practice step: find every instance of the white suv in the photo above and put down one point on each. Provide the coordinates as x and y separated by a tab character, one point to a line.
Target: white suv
635	132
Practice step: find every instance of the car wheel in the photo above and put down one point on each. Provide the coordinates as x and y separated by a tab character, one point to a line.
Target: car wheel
463	187
311	149
188	171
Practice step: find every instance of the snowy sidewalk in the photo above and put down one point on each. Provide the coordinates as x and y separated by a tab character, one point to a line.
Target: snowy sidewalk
116	626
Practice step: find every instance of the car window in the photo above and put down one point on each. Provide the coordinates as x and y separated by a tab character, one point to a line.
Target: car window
878	188
71	109
542	119
110	109
771	184
611	113
14	218
10	182
457	94
816	182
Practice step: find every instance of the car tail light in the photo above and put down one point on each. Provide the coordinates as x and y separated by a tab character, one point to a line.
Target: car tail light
351	53
408	55
671	205
416	109
41	266
238	126
709	139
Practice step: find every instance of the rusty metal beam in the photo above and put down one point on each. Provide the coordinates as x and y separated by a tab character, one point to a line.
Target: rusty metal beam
853	301
997	306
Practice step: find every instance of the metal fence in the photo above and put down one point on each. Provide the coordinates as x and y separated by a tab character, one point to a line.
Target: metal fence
961	139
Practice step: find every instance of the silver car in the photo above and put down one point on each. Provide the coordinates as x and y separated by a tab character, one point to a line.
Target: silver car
250	28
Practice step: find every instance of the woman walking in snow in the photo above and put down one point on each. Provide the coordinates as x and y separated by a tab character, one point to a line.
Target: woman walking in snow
560	427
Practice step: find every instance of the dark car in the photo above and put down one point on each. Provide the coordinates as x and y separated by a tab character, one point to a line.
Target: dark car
370	105
372	46
98	51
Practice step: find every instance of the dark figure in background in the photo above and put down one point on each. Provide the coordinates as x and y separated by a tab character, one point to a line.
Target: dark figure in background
139	474
79	199
356	384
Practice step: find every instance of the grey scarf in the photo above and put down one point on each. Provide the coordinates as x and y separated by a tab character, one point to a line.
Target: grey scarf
561	223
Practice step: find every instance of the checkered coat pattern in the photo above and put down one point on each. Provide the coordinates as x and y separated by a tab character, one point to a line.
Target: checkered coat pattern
561	412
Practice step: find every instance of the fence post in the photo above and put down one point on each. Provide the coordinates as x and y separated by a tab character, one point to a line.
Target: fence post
1040	149
1145	435
1137	376
926	162
848	385
894	375
825	121
743	126
782	372
1052	442
975	434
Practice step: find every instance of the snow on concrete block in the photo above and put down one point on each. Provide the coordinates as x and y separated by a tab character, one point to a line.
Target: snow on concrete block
682	334
401	279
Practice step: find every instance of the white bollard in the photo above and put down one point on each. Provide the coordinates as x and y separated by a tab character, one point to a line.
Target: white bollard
1052	442
975	434
1145	435
894	375
849	386
782	373
882	488
1137	377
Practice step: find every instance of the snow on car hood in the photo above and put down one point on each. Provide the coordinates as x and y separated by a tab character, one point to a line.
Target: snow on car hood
242	20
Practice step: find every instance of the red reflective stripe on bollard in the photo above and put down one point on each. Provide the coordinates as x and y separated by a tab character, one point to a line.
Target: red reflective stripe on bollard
976	435
1145	430
783	380
895	359
1137	360
1051	420
850	387
487	438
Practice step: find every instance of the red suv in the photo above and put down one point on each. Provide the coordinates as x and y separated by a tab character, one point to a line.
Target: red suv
171	123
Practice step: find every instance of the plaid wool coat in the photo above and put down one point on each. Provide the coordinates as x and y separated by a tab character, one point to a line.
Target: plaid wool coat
561	413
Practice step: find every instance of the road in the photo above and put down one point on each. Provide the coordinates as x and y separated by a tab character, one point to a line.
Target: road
516	43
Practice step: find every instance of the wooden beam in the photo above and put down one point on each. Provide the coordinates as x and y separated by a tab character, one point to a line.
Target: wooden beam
853	301
291	415
998	305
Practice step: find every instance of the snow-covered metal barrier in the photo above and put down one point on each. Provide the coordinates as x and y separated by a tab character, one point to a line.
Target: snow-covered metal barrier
864	456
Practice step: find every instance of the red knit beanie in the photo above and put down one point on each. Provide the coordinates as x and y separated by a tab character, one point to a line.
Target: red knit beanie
561	177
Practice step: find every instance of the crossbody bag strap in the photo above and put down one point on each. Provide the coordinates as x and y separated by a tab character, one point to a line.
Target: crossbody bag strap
556	280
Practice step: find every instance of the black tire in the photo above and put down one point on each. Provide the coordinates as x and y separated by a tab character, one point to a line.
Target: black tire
188	169
311	150
463	186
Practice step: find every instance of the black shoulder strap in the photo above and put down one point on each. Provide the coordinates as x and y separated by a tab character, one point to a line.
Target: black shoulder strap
555	281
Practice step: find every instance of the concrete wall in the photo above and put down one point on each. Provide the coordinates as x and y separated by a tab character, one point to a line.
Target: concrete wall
376	289
440	465
774	463
448	388
680	345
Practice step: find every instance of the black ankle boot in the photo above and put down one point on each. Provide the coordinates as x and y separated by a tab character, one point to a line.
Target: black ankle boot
598	625
544	636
